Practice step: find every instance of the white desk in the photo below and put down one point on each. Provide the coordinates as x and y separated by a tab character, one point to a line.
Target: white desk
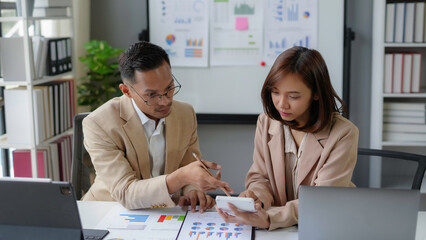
91	213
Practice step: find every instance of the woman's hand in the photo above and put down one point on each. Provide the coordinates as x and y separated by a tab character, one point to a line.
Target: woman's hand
250	194
259	218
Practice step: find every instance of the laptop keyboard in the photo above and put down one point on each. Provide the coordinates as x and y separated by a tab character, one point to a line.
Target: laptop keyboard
94	234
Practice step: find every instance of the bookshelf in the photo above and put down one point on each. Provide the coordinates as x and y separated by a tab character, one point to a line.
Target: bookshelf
32	26
378	175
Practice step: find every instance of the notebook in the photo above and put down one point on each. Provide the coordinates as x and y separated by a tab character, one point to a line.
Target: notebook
41	209
357	213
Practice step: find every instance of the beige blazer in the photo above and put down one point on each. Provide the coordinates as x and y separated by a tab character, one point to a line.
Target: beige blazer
328	159
115	139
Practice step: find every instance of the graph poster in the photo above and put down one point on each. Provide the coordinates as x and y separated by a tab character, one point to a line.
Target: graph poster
289	23
210	226
181	28
236	32
143	224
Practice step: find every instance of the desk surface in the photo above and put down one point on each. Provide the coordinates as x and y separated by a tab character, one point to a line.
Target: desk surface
91	213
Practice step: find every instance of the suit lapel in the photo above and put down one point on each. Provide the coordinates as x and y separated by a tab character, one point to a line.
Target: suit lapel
276	146
172	140
135	131
311	152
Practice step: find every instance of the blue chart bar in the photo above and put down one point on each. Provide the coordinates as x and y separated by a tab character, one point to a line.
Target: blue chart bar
135	217
293	12
278	45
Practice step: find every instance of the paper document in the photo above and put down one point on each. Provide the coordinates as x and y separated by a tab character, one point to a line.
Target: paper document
160	223
210	226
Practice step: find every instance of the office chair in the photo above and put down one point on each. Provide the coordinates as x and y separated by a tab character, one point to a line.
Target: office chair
82	167
420	159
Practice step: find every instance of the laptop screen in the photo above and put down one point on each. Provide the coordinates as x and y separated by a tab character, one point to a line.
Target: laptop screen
38	209
357	213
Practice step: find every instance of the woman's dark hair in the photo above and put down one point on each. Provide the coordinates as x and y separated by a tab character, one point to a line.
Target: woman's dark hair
141	56
311	67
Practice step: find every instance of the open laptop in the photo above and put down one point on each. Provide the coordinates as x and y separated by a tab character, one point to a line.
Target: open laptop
40	209
336	213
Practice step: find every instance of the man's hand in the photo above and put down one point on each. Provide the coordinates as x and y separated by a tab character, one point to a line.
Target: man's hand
193	197
197	176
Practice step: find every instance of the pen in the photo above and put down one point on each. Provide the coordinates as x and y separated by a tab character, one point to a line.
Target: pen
207	169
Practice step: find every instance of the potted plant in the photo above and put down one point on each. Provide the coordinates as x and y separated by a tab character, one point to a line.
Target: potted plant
103	76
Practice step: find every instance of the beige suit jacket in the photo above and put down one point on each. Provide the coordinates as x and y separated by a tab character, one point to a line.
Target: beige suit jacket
115	139
328	159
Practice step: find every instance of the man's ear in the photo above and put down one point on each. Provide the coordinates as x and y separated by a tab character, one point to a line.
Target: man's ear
125	90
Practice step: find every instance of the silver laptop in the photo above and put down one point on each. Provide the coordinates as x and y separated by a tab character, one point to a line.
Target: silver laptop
40	209
336	213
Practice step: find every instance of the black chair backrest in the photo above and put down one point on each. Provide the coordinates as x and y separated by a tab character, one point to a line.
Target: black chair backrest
420	159
80	173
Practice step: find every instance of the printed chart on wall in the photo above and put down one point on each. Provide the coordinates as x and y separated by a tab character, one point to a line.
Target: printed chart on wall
210	226
143	224
289	23
236	32
181	28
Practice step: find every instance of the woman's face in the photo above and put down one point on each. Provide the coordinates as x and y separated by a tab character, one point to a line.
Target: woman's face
292	98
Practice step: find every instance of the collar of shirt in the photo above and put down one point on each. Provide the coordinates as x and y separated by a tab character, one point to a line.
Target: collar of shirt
149	124
290	144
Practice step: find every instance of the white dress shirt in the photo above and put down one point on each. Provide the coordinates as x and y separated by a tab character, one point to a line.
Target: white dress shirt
156	142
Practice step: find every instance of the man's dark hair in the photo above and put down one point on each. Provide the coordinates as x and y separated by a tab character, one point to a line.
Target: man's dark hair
141	56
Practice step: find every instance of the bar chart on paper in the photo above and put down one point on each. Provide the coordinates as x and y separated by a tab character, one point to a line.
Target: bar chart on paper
120	218
289	23
210	226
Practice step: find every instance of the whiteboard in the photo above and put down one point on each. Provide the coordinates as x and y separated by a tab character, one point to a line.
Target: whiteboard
236	89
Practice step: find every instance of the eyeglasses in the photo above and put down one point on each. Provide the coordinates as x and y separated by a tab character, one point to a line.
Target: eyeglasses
155	98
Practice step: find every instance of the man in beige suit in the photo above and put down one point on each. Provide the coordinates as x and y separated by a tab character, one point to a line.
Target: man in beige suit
141	143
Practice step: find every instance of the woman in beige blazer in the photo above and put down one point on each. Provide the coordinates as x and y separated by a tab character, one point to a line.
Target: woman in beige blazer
301	139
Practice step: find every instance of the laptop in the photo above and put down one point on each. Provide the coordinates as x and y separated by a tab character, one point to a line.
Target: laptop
41	209
336	213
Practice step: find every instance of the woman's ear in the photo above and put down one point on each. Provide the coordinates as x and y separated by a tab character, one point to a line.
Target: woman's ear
316	98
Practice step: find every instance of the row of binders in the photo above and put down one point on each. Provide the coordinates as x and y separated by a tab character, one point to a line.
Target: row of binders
53	160
53	106
405	22
404	121
402	73
52	56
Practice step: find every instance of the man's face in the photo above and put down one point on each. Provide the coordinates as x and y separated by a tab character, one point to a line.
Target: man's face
150	84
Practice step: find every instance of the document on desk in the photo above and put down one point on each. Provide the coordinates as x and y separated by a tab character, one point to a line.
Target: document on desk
155	224
209	225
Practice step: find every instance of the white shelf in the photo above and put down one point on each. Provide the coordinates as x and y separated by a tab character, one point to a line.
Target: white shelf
404	95
5	144
404	45
36	81
378	174
49	18
11	19
51	78
403	144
